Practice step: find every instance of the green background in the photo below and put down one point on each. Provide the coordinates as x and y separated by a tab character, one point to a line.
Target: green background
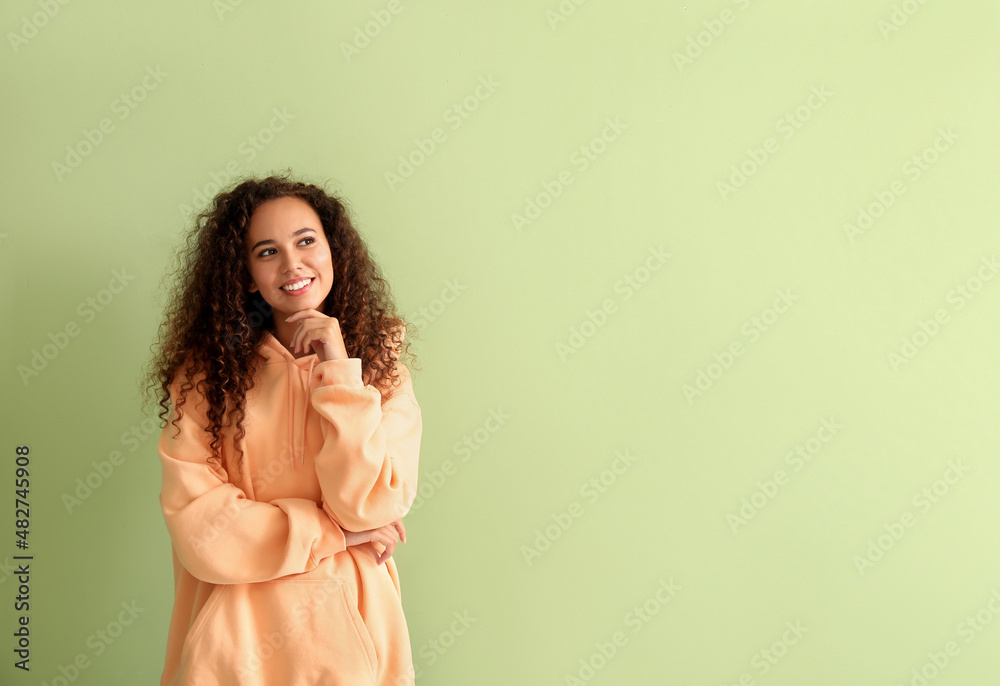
499	301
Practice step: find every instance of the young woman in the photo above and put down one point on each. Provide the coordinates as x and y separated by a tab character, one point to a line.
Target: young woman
290	455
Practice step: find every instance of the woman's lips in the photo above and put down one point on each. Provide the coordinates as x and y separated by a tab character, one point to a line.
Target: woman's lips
300	291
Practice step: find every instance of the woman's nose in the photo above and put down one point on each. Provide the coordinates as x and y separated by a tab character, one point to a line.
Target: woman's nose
292	263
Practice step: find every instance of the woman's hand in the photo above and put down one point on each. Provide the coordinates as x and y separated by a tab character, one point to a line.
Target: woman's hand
386	535
319	331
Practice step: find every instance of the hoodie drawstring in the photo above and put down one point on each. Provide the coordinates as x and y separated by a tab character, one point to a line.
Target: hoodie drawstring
272	351
291	415
297	442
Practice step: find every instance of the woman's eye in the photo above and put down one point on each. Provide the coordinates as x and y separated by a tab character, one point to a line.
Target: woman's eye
266	251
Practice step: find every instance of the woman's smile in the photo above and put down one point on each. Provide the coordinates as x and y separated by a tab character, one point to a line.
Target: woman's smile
297	287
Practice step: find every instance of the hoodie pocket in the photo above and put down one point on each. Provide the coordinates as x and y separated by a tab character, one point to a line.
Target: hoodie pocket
292	632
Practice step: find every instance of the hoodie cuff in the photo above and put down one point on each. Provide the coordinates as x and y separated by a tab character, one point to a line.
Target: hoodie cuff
338	373
332	541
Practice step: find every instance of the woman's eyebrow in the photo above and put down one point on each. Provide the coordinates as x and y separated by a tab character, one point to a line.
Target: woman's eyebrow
270	240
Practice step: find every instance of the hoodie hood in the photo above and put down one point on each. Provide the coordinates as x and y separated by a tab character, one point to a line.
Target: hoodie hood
298	372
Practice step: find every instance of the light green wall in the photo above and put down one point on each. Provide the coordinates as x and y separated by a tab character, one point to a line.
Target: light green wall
623	121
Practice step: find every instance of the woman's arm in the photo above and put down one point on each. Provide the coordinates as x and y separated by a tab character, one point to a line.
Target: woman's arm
367	466
219	534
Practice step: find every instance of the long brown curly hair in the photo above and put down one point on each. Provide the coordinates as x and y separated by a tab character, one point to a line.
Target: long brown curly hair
213	326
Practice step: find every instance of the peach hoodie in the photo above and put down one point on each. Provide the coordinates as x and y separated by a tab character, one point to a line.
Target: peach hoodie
265	591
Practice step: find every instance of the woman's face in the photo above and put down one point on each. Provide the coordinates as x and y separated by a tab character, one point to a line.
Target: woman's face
285	247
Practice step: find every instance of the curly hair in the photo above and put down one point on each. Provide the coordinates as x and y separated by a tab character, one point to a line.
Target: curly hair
213	326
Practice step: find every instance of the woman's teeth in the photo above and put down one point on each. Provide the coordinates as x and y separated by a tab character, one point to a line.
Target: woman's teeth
297	285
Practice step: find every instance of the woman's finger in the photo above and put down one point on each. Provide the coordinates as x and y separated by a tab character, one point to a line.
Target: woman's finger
387	553
307	333
306	337
304	318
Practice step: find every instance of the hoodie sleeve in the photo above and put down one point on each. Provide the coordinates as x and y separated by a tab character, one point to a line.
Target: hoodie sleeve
219	534
367	467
